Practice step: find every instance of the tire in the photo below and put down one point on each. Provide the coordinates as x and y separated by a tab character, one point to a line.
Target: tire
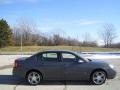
98	77
34	78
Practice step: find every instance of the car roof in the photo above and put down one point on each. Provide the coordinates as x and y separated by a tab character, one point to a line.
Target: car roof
58	51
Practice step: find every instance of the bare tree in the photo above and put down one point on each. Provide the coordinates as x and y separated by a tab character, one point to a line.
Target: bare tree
88	41
26	30
87	38
108	34
16	36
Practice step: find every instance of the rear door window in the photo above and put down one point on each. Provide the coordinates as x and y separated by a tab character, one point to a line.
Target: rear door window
50	56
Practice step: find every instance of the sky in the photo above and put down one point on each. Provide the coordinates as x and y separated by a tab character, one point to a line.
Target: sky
71	18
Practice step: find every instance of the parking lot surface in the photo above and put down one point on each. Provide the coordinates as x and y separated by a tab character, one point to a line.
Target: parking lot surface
9	82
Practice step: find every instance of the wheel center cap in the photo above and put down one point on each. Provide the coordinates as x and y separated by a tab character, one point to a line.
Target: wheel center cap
99	77
33	78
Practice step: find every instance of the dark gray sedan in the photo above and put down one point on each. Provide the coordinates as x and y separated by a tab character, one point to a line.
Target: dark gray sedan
62	65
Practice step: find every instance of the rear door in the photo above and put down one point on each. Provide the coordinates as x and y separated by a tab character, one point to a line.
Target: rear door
51	66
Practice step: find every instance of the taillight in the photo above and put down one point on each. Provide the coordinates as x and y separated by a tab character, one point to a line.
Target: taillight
15	64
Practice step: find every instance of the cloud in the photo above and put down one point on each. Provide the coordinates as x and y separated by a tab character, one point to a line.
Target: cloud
87	22
75	22
17	1
6	1
31	1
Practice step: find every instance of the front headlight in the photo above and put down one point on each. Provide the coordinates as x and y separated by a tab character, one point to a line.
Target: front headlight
111	66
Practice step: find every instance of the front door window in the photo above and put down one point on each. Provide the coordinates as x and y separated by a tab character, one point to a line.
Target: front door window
68	57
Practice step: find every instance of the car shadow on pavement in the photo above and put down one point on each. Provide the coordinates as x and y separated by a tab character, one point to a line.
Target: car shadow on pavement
12	80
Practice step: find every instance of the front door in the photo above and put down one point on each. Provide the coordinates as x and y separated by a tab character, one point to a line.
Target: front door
72	69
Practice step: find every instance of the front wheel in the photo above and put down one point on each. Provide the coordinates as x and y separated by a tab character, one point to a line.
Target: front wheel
34	78
98	77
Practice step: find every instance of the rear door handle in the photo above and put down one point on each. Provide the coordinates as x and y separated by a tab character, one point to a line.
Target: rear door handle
42	63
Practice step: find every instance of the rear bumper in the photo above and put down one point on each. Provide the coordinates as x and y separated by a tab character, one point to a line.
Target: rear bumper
111	74
19	72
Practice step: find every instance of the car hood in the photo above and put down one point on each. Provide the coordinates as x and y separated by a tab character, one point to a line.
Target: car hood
98	62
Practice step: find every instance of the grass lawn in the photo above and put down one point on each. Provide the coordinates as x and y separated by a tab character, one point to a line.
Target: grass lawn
41	48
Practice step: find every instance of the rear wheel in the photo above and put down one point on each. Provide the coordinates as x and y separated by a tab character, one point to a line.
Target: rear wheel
98	77
34	77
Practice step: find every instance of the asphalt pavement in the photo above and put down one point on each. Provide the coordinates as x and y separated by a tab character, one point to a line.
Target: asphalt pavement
9	82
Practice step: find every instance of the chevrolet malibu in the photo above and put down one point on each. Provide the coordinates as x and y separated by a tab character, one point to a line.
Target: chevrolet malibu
62	65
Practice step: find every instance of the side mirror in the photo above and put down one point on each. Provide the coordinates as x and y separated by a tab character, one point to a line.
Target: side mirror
80	61
89	59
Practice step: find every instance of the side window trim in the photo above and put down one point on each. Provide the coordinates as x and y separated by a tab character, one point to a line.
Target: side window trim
39	56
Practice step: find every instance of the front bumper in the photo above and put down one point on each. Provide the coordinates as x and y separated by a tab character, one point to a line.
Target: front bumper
111	73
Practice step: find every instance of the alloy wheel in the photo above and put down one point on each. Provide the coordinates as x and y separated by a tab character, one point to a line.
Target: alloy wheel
34	78
99	77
